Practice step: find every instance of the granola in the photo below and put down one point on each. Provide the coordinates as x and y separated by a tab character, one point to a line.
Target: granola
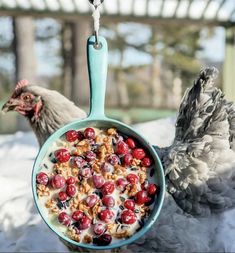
96	185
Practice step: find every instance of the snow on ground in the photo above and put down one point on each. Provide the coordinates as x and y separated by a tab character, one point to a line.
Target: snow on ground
22	229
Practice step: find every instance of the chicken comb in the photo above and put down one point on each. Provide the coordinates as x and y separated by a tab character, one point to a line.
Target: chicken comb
22	83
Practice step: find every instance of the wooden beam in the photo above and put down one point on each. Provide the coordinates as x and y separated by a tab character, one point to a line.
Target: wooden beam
105	11
147	7
205	8
25	56
47	5
66	38
219	8
188	9
81	30
161	8
231	15
229	65
75	5
114	18
176	8
132	6
119	7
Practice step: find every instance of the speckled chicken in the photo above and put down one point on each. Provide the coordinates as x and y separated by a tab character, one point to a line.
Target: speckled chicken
46	110
200	163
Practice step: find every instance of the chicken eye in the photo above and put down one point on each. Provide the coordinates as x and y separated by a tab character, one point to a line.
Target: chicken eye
26	97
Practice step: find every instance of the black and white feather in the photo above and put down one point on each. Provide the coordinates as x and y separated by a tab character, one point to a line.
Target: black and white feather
200	163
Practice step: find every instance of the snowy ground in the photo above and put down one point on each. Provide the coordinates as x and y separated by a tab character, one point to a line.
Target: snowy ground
21	228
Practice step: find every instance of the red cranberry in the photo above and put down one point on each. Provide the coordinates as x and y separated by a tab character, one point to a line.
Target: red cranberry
71	190
128	217
106	215
121	148
42	178
62	196
146	162
77	215
99	229
71	136
103	240
107	167
132	178
129	204
58	182
90	156
91	200
70	180
138	153
79	162
84	223
62	155
64	219
113	159
89	133
98	181
86	172
108	201
80	135
121	184
141	197
127	159
152	189
130	142
108	188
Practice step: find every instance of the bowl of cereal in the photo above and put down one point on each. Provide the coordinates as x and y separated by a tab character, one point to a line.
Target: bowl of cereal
97	183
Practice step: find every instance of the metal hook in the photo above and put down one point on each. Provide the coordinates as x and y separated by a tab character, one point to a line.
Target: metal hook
96	45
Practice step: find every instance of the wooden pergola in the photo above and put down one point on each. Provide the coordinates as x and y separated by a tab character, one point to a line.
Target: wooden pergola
200	12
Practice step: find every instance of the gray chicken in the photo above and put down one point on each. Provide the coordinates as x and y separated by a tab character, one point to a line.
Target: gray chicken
46	110
200	175
198	166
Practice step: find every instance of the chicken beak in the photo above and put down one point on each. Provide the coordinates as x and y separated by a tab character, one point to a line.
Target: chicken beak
10	105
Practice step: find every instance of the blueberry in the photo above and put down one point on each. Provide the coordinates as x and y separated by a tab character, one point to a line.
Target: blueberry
60	205
53	160
103	240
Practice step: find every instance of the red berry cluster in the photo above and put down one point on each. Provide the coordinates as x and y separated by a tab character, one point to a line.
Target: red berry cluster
126	153
129	151
83	222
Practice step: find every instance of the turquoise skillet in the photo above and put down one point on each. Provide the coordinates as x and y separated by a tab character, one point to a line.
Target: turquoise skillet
97	67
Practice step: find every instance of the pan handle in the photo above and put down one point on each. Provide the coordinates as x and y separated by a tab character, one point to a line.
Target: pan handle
97	58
